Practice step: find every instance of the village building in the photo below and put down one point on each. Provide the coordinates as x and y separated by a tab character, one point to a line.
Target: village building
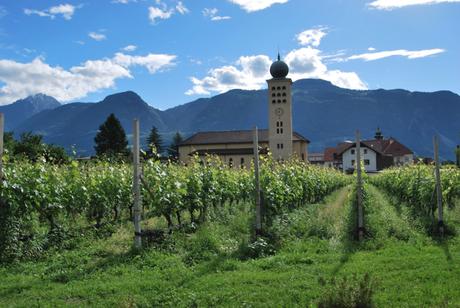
377	154
235	148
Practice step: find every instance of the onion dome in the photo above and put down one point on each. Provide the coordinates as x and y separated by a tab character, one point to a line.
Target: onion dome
279	69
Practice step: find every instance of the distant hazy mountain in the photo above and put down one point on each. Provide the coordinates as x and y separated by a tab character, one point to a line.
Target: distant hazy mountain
323	113
76	124
23	109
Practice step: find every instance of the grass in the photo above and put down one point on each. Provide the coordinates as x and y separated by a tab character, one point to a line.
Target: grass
205	268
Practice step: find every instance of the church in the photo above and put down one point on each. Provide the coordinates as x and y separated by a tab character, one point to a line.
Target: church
235	147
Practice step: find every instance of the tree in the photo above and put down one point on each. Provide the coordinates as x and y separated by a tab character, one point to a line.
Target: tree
173	149
154	139
111	138
457	155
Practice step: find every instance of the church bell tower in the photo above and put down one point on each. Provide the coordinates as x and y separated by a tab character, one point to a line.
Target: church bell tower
280	111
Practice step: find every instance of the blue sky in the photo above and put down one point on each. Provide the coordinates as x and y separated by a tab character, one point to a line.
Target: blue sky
171	52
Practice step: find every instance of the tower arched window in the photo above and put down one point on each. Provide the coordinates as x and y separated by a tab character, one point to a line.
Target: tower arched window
281	123
273	94
284	101
273	88
274	101
279	94
284	87
279	101
279	88
284	94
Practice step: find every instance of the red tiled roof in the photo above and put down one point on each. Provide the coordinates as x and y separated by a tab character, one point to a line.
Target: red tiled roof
390	147
233	136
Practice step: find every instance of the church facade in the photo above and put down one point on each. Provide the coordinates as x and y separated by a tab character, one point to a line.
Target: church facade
235	148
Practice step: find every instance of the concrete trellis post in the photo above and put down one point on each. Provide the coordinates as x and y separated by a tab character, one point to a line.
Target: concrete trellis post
438	185
359	187
136	186
257	182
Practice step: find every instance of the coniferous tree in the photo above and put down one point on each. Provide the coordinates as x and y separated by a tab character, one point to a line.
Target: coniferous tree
154	139
173	149
111	138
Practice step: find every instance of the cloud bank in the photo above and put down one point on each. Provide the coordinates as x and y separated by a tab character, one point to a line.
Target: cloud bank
24	79
396	4
256	5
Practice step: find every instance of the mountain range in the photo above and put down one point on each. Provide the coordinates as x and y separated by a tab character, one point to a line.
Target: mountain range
322	112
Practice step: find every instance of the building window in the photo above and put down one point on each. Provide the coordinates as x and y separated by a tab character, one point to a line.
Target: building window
303	156
230	162
278	88
284	87
284	94
284	100
277	130
352	152
365	151
282	146
279	101
367	162
281	123
279	94
273	88
281	130
352	162
277	145
242	162
274	101
273	94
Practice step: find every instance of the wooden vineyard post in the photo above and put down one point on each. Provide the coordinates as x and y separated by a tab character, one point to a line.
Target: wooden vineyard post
136	186
359	188
2	130
257	182
438	185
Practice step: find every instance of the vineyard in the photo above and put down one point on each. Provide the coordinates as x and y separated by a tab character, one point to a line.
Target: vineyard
69	227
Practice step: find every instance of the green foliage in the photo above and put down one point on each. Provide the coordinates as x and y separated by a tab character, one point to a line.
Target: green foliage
111	138
154	141
348	292
173	150
414	186
31	147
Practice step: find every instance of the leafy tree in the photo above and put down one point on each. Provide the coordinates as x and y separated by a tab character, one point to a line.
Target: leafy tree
154	139
457	155
111	138
173	149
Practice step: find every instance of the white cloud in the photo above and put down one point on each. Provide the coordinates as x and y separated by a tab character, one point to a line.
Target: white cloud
153	62
415	54
97	36
157	13
212	14
396	4
66	10
256	5
180	7
123	1
251	73
311	37
371	49
130	48
24	79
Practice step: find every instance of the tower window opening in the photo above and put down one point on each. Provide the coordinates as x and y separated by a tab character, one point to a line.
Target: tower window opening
284	94
279	101
279	88
277	124
281	130
230	162
284	87
284	100
273	94
274	101
281	145
277	130
281	123
279	94
273	88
